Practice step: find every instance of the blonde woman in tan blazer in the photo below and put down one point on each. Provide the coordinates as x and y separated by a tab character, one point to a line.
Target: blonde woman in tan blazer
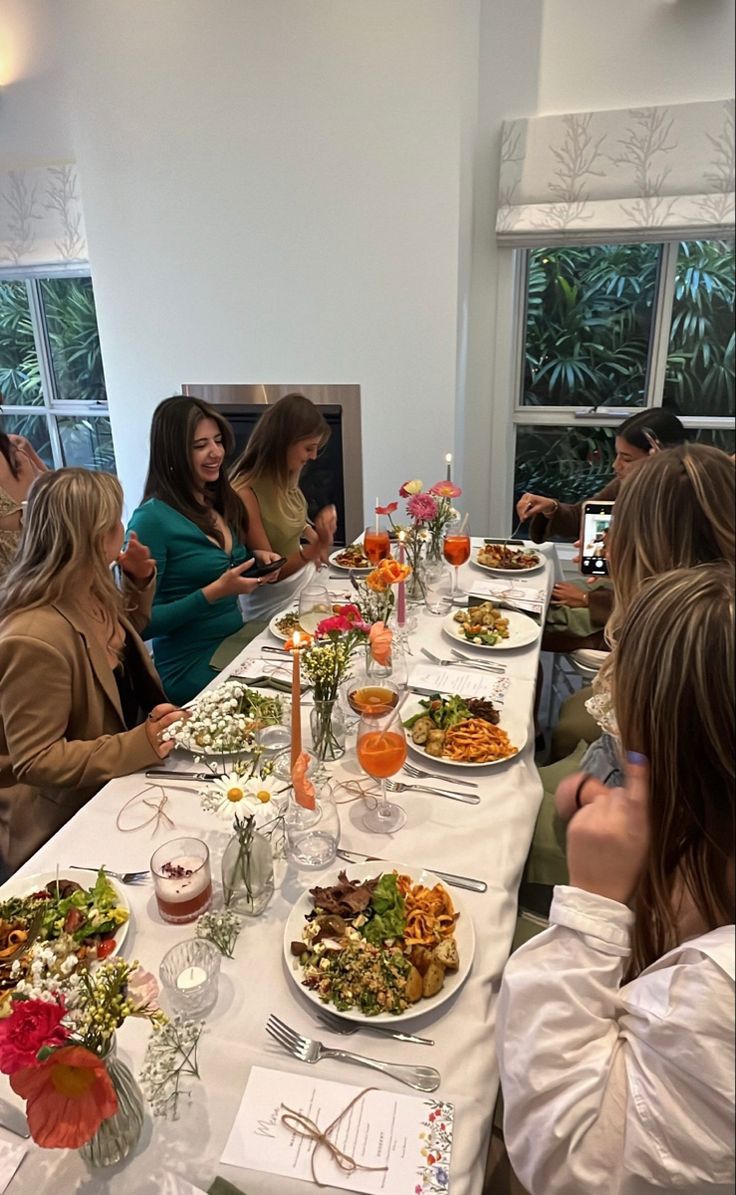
80	701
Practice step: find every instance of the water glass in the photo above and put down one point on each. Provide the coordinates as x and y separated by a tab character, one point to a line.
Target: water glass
437	589
315	844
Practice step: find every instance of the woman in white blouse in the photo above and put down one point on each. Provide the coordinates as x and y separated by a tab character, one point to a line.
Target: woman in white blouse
616	1025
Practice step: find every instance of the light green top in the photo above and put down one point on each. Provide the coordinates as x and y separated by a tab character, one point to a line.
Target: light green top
283	514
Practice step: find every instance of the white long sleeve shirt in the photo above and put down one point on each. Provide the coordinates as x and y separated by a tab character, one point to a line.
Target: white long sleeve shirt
613	1090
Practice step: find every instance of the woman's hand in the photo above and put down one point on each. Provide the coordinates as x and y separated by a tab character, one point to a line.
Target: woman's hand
136	561
608	835
264	557
232	582
159	718
325	524
535	504
566	594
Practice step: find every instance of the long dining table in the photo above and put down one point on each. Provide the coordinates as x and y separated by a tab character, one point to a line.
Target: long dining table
489	841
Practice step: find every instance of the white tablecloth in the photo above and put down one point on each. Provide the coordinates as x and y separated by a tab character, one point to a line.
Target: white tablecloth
489	841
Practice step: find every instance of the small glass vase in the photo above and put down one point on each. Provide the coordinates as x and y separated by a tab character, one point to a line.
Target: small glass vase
415	586
119	1134
247	875
327	723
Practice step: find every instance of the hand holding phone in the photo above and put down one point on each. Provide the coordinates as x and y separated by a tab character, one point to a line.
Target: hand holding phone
263	570
596	523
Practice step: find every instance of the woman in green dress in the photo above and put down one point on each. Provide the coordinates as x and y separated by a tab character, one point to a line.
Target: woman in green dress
266	479
195	527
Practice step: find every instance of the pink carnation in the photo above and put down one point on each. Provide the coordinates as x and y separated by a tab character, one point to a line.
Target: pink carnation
422	508
32	1025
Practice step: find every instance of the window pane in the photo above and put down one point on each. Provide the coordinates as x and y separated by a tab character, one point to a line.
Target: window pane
589	315
567	463
69	306
20	381
725	439
700	365
34	428
87	442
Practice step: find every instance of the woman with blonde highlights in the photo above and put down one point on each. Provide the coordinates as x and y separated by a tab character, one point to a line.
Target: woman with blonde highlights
615	1030
76	682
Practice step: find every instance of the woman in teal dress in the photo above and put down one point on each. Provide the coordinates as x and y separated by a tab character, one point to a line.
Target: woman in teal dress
195	528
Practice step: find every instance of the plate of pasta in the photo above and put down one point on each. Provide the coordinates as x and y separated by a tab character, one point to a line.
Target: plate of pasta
462	732
379	942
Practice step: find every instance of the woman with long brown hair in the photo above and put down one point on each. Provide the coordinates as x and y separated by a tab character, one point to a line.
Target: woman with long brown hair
80	702
615	1031
20	465
266	478
195	527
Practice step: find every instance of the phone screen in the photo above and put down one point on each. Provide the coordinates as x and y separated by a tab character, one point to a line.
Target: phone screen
597	518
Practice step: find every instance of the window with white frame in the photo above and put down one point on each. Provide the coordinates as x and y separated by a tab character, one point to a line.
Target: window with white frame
52	383
611	329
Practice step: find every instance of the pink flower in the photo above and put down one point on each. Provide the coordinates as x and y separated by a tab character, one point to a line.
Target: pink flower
411	487
337	625
446	489
142	991
32	1025
422	508
387	510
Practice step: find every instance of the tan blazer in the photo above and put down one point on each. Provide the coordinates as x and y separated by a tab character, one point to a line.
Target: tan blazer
62	733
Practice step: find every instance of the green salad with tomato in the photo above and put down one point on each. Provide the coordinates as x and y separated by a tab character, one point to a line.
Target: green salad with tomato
90	916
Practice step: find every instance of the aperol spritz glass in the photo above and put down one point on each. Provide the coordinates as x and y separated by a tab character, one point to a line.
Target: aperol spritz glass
376	545
382	753
456	550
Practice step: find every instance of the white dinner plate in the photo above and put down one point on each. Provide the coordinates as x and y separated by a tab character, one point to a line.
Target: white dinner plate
509	572
363	568
20	885
277	618
517	733
522	631
464	937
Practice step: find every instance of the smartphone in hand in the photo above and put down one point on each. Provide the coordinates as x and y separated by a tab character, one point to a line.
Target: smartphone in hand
596	523
261	570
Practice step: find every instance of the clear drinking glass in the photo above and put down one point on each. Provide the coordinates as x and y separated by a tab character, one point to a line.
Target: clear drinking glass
190	974
382	753
182	880
313	845
437	589
314	606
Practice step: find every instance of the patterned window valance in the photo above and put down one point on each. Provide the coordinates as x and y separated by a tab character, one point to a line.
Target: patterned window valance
638	174
41	221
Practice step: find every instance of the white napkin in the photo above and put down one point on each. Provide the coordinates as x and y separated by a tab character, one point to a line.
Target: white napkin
11	1157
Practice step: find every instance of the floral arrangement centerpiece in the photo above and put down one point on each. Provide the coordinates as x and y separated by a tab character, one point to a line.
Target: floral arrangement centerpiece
226	720
57	1039
377	597
326	664
429	513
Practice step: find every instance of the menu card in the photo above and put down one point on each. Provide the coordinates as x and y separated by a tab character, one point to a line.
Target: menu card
409	1134
429	679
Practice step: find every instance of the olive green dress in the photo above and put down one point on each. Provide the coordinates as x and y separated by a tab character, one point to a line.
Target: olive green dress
284	515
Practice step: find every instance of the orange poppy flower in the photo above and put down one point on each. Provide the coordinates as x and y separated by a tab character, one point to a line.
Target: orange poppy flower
380	640
68	1096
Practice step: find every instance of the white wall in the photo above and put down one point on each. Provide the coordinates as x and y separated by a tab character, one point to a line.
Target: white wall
599	54
271	193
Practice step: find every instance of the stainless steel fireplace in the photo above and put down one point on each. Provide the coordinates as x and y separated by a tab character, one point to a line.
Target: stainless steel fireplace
337	475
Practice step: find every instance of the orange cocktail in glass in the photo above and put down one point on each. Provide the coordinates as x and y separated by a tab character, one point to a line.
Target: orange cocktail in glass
381	753
376	545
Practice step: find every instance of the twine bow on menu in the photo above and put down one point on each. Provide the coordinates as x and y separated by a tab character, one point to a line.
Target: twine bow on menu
158	815
304	1127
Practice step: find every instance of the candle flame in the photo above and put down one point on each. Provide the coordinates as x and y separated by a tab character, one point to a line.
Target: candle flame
401	535
448	458
296	639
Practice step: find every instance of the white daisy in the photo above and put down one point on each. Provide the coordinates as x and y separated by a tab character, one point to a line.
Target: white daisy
232	794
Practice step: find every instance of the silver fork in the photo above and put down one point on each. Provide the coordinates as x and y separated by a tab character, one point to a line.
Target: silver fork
308	1049
418	774
395	786
125	877
464	662
347	1028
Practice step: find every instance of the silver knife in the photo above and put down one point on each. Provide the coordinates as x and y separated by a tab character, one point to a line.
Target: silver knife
453	880
171	777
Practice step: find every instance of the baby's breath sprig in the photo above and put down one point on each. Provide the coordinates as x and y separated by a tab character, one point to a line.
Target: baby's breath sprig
221	928
171	1056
